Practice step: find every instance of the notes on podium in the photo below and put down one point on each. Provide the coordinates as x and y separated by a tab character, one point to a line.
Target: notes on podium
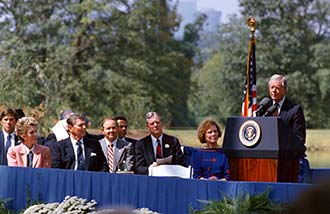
167	160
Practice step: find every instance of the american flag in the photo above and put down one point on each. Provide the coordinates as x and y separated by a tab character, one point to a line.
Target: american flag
249	105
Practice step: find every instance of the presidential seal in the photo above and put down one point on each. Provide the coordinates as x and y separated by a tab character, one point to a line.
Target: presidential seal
249	133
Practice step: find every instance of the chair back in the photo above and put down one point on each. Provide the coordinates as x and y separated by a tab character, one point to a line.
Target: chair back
171	171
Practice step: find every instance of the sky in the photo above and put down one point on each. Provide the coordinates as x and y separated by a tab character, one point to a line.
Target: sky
225	6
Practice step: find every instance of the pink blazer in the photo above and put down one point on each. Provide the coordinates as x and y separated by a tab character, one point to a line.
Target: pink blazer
17	156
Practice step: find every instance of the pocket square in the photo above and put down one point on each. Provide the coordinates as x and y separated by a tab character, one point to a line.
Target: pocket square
93	154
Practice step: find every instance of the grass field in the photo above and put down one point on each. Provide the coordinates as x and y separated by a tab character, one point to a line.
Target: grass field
317	142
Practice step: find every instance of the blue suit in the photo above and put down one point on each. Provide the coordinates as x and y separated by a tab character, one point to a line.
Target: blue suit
3	155
211	162
63	155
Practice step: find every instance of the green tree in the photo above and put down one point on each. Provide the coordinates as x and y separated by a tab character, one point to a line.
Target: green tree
292	38
288	33
221	80
98	57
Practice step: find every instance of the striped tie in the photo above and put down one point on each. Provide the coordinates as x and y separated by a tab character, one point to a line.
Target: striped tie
80	156
110	157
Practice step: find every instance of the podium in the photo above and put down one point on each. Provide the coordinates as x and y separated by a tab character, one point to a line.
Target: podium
261	149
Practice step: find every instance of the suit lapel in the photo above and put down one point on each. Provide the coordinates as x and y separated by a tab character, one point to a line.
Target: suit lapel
104	147
2	149
70	152
36	155
284	109
23	154
166	146
150	149
118	153
88	152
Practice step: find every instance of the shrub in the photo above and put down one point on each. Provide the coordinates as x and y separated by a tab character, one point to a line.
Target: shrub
243	204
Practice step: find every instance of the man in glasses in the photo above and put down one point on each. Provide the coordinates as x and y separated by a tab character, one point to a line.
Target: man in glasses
157	147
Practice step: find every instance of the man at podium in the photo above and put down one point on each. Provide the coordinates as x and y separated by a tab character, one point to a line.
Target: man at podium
292	114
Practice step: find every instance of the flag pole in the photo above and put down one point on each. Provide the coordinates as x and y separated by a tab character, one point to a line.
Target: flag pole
250	99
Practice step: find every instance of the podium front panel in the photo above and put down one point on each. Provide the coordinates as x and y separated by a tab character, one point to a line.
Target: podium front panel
268	144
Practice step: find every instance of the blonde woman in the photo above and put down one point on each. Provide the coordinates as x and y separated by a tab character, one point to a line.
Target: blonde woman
28	153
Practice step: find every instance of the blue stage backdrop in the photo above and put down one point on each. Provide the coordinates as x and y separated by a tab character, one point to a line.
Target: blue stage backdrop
161	194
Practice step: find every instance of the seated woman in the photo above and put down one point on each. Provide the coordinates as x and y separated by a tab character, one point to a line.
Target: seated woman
210	162
28	153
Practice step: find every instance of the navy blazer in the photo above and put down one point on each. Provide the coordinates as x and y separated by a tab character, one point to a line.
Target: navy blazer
3	155
145	156
63	155
293	115
130	140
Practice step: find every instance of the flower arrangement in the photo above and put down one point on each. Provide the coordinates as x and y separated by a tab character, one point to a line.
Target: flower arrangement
75	205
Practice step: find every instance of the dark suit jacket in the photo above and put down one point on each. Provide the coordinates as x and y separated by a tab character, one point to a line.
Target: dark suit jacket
63	155
292	114
145	156
124	151
3	155
131	140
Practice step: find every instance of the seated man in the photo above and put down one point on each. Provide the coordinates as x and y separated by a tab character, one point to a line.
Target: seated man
122	131
8	138
156	146
78	152
119	153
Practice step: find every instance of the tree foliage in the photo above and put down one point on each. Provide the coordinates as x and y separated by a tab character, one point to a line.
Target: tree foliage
292	39
112	57
289	32
99	57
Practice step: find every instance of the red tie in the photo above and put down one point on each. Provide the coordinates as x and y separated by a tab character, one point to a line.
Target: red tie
159	149
110	157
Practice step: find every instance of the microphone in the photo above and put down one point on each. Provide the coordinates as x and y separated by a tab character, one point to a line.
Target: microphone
264	104
270	111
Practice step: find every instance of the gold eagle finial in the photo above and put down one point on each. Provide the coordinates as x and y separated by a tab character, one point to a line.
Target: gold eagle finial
252	25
